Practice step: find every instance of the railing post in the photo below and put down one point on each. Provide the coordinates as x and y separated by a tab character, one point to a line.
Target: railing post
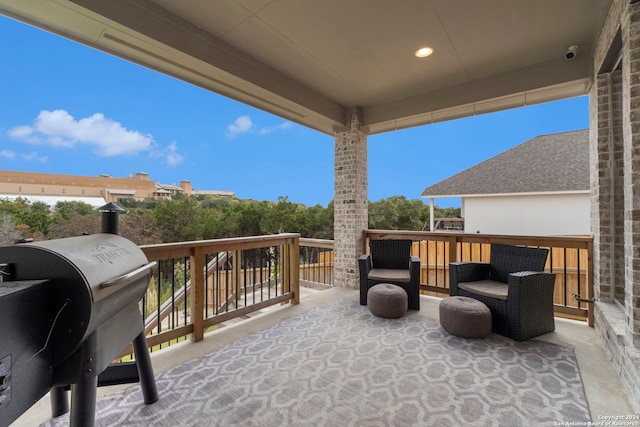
197	294
365	241
453	248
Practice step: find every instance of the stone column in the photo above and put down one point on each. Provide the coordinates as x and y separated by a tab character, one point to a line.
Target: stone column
351	213
631	129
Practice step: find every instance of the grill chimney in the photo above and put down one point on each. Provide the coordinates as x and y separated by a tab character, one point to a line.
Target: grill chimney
110	218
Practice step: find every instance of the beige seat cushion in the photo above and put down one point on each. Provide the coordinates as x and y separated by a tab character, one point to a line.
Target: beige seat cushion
487	288
389	274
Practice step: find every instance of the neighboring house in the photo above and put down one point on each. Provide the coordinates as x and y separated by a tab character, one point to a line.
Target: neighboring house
540	187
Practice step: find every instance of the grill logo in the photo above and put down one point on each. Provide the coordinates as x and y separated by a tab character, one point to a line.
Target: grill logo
108	252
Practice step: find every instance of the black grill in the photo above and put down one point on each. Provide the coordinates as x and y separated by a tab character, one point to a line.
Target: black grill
68	308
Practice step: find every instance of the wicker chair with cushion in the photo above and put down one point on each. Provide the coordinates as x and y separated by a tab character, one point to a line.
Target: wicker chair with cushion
513	286
390	262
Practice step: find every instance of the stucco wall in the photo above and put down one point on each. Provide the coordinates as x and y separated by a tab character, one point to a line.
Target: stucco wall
544	215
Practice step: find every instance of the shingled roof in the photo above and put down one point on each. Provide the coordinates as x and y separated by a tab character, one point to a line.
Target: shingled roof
548	163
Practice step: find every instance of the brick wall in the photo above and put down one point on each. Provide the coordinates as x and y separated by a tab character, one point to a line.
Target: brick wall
615	183
610	326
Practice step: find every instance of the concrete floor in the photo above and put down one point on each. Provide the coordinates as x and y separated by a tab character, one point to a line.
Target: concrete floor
604	390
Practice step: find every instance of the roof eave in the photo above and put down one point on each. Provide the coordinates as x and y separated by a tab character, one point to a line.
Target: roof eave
530	193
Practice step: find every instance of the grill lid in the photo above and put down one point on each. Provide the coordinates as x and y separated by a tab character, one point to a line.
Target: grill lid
107	262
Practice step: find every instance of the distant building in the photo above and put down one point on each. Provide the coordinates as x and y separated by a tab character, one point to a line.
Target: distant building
540	187
96	191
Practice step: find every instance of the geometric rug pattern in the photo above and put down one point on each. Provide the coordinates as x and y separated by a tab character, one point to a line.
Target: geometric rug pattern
338	365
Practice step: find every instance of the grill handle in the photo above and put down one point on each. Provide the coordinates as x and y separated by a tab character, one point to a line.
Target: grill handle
129	277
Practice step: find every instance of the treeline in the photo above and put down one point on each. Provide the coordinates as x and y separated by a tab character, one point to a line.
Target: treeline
201	217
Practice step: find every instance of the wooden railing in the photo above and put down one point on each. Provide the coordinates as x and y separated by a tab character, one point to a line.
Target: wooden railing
570	258
200	284
316	262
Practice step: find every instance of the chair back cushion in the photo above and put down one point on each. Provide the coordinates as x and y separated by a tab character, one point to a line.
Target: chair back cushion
506	259
386	253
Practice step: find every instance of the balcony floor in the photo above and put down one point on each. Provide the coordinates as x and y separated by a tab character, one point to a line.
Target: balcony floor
603	389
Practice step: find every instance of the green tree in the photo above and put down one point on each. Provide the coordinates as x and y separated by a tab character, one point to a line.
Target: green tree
216	202
139	227
450	212
74	224
129	203
315	221
37	218
398	213
65	209
9	234
281	217
14	207
248	216
178	220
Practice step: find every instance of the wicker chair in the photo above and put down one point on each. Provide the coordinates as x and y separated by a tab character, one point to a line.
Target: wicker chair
390	262
513	286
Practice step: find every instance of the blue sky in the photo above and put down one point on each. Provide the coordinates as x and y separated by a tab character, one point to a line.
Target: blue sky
66	108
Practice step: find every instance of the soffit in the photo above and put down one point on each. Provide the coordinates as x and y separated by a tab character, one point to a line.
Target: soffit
313	61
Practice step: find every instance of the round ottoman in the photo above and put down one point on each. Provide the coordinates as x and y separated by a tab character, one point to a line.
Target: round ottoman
465	317
387	300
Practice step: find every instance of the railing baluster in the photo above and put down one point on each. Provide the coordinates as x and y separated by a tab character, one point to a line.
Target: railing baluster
173	294
564	275
187	298
207	285
158	319
227	278
580	293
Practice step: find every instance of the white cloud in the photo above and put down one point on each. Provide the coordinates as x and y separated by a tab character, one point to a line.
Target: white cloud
60	129
33	156
7	154
242	124
170	155
281	126
21	132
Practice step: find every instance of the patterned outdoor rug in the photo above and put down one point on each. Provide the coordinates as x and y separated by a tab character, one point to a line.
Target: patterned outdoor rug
338	365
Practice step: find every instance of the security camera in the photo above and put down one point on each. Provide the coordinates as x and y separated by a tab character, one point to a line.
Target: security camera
572	52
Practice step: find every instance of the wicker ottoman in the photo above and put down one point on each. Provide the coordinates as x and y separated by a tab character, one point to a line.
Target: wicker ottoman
465	317
387	300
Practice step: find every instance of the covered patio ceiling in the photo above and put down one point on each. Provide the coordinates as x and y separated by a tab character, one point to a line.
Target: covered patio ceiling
311	62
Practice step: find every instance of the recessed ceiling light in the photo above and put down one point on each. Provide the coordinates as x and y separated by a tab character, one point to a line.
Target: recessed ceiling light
424	52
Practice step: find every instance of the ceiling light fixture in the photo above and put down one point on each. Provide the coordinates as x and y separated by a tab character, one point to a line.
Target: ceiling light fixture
423	52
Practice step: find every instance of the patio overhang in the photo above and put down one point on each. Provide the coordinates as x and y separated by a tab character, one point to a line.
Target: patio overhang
348	69
488	56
